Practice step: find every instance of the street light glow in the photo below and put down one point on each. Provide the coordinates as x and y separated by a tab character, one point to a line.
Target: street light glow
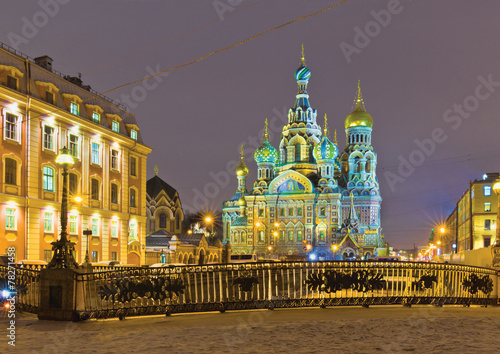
257	224
442	230
208	219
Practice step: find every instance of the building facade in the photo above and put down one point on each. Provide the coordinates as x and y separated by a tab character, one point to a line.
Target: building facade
472	224
309	198
42	111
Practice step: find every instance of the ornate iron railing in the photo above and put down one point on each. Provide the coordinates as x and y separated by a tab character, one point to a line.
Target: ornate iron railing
143	291
22	283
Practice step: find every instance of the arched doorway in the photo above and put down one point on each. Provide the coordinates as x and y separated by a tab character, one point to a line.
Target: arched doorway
201	259
163	258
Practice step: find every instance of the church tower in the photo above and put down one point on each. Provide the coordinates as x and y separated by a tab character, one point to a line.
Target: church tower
266	158
301	134
325	154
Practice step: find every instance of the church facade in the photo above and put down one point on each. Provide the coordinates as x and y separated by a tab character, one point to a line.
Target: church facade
309	199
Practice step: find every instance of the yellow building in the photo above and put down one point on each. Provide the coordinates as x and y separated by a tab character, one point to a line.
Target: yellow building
473	222
42	111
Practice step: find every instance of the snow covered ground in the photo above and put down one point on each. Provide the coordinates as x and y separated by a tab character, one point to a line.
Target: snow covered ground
393	329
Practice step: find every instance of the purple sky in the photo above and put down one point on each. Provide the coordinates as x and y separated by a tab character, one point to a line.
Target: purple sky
426	60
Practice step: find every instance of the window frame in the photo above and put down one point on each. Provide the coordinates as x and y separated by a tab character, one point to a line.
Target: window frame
48	222
487	190
95	153
73	224
15	131
10	219
72	106
115	126
115	159
96	117
133	166
8	173
133	134
48	180
487	207
49	141
132	198
113	228
111	192
94	226
94	188
74	147
11	79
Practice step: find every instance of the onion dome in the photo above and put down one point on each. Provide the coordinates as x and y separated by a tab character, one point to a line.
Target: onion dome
359	117
242	169
266	153
242	201
302	73
325	150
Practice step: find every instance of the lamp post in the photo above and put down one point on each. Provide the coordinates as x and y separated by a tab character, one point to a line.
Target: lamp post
334	251
63	248
87	233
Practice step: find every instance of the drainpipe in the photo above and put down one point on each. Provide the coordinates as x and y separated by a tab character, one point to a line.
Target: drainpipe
26	157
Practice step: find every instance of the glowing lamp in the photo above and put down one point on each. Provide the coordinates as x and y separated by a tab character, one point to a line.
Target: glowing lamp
5	293
78	199
312	257
208	219
496	186
442	230
64	158
257	224
308	247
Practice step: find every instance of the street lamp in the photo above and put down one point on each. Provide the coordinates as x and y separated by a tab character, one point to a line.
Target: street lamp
87	233
334	249
208	219
63	248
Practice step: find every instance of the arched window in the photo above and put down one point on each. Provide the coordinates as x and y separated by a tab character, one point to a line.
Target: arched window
243	237
177	221
163	258
368	166
48	179
163	221
297	152
10	171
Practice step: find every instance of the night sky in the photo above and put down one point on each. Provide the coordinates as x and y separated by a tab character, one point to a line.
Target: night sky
424	75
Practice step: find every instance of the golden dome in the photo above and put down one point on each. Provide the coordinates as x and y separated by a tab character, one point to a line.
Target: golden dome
242	169
242	201
359	117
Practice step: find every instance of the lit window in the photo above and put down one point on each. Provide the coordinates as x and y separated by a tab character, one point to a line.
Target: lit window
133	171
133	230
132	197
73	145
290	235
47	222
114	160
322	235
96	117
48	137
290	211
261	213
261	236
282	235
95	256
487	191
282	211
11	127
299	211
299	235
114	193
114	228
115	126
10	171
133	134
48	179
72	224
487	224
95	154
95	226
322	211
47	255
114	256
94	189
74	108
10	219
487	206
11	82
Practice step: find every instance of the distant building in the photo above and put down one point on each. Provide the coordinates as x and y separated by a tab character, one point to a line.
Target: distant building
310	198
42	111
165	242
472	224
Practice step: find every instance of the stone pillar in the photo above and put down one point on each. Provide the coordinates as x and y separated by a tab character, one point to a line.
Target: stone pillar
57	295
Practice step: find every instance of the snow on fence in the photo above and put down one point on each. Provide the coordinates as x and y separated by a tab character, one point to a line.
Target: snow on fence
145	291
21	283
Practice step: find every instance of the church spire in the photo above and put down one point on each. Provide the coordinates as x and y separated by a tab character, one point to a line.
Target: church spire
358	101
326	126
335	138
266	134
303	58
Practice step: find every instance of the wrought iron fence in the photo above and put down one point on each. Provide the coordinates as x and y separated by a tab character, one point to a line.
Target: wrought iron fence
22	283
142	291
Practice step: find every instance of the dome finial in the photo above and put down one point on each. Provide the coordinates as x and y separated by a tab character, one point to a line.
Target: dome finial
156	170
303	58
266	134
242	152
326	125
358	102
335	138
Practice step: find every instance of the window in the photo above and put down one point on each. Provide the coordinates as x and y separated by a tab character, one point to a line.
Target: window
95	154
132	197
177	221
261	236
72	224
322	235
115	126
10	171
290	211
94	189
282	235
282	211
11	127
74	108
114	256
487	224
487	191
133	230
163	221
96	117
114	193
73	145
95	256
133	171
73	184
47	255
297	152
95	226
299	211
49	97
290	235
322	211
299	235
487	206
114	160
47	222
261	213
133	134
48	179
10	219
11	82
48	137
114	228
487	241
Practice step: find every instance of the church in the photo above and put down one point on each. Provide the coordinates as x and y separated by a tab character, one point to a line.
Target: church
310	199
